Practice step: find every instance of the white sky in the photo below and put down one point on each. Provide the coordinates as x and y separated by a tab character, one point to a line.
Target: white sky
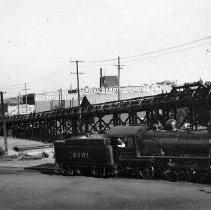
40	37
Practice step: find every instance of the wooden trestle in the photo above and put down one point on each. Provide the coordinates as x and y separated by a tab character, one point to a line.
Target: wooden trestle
190	103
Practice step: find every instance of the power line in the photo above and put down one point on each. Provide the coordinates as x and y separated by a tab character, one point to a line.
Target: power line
142	56
50	75
101	61
168	48
37	80
167	53
154	51
136	57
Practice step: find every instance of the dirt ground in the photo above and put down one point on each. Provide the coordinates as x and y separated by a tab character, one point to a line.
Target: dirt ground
12	142
33	190
42	191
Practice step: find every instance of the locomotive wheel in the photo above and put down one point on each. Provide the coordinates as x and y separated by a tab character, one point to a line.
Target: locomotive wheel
95	172
199	177
63	171
170	175
182	175
78	171
112	172
101	172
57	170
70	172
147	172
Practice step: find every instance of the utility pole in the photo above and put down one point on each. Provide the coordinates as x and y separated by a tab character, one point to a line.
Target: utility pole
19	103
26	97
4	123
60	97
119	67
78	86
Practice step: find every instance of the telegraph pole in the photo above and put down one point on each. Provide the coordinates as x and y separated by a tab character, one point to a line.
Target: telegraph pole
60	97
26	97
19	103
119	67
4	123
78	86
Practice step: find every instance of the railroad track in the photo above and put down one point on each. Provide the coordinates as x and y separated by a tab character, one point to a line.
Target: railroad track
11	170
54	170
19	170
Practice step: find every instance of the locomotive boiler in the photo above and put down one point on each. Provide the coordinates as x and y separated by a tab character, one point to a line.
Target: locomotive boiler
137	151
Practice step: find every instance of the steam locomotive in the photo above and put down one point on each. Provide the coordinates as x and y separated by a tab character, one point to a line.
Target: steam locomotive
137	151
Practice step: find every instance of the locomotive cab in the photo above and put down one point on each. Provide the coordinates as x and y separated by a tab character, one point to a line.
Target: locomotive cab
124	140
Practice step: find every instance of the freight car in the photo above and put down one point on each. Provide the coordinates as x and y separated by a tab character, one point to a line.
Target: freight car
137	151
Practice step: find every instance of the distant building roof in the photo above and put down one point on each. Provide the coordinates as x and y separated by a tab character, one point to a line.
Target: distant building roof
11	101
166	82
109	81
21	100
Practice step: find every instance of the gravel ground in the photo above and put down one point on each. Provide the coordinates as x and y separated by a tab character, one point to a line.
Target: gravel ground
12	142
41	191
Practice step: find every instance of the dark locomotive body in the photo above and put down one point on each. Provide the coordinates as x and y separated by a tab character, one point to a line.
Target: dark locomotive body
137	151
